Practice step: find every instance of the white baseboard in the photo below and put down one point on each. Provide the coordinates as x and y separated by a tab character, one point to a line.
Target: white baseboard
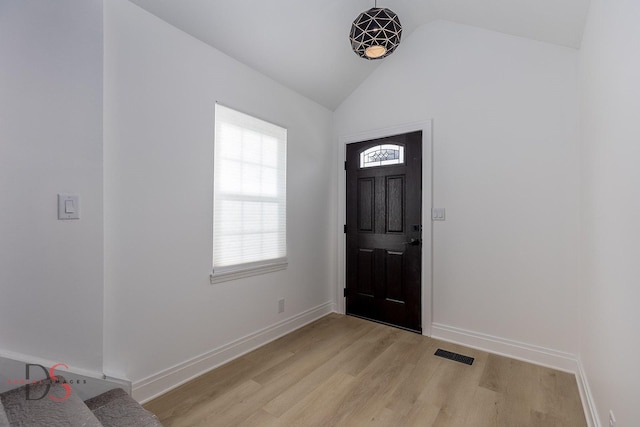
160	383
555	359
26	358
589	405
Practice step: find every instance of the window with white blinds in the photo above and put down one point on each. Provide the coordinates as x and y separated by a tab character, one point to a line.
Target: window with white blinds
249	196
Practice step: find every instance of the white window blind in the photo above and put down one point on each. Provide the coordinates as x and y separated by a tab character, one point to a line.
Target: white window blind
249	203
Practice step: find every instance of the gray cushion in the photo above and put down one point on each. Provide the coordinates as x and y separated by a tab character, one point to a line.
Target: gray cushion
43	412
4	422
116	408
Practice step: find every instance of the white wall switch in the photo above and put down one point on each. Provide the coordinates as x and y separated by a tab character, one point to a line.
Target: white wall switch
68	206
437	214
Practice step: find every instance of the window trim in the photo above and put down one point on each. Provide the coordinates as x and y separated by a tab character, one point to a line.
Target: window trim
224	274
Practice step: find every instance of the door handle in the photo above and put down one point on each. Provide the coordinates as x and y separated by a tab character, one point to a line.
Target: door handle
413	242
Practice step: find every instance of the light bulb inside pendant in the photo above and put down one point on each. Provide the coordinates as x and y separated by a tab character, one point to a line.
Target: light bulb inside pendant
376	51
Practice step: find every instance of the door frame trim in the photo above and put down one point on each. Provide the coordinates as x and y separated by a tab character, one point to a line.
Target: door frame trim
427	202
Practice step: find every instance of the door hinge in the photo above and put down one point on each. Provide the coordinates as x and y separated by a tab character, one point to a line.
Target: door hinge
345	165
344	294
345	228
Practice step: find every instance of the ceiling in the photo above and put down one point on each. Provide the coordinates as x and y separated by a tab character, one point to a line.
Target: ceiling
305	46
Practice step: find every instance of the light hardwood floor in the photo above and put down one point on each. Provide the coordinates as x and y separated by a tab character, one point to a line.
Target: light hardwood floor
344	371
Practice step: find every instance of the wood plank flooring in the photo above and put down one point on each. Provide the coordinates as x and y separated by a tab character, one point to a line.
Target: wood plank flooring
345	371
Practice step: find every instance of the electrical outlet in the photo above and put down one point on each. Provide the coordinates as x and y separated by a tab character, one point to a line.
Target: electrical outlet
438	214
281	306
612	419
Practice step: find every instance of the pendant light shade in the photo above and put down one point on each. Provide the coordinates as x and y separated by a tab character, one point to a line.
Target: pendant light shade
375	33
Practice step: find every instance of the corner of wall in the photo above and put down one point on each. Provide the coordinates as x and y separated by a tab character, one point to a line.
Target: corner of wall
588	402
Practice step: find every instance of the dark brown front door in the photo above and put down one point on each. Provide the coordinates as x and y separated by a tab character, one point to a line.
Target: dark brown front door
384	199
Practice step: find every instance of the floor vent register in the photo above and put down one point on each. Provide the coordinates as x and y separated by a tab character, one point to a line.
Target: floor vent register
454	356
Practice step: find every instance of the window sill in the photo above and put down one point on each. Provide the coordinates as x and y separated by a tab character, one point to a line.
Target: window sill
246	272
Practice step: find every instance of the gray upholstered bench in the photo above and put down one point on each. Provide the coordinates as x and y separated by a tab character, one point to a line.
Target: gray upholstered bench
114	408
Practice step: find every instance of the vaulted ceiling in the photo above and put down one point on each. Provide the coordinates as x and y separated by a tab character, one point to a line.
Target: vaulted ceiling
304	44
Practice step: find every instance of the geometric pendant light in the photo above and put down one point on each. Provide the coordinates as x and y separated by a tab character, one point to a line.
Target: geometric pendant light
375	33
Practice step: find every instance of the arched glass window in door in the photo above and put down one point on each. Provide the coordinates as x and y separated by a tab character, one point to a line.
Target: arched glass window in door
382	155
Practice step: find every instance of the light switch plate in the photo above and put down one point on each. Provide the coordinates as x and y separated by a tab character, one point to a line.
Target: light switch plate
437	214
68	206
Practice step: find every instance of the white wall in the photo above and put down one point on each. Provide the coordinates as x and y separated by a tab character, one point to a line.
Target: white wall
610	205
505	168
160	90
51	272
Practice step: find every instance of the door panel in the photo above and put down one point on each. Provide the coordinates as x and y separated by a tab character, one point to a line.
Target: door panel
365	272
383	215
395	276
394	192
366	210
